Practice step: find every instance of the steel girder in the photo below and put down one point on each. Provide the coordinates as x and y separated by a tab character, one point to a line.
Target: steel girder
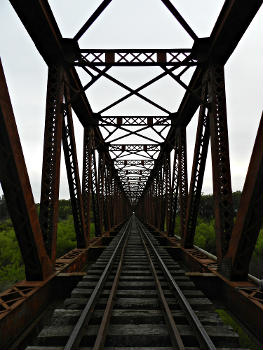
90	187
71	160
135	148
182	176
17	190
51	159
173	194
158	198
134	162
133	121
98	188
249	216
139	57
86	178
198	169
222	190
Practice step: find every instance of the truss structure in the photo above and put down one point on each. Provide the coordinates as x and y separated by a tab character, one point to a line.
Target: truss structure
120	176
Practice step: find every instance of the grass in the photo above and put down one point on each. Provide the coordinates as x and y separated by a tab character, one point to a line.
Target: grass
11	264
244	340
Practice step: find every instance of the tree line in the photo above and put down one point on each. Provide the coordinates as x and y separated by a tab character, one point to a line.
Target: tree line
11	264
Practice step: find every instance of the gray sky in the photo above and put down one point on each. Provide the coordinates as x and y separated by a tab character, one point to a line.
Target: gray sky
132	24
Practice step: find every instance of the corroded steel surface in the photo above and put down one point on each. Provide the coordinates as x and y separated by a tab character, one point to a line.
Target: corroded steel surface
121	176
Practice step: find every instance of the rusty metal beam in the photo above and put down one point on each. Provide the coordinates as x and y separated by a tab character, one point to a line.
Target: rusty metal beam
48	215
172	203
86	179
198	169
182	174
92	19
139	57
230	26
27	300
179	18
222	190
134	120
101	188
249	217
39	14
135	147
35	15
133	91
90	182
134	162
71	160
53	48
16	187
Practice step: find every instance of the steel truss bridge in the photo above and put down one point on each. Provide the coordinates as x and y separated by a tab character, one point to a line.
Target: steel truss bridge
120	178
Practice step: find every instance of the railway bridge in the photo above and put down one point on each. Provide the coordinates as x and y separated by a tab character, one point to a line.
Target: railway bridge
131	282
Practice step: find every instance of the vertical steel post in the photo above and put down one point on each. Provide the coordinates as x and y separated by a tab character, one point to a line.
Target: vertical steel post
115	202
174	190
163	200
90	182
183	181
198	169
71	160
107	216
94	187
220	160
101	188
86	179
51	159
111	201
167	180
159	197
156	201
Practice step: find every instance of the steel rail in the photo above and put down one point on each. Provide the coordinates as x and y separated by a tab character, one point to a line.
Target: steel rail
102	333
80	327
203	338
173	330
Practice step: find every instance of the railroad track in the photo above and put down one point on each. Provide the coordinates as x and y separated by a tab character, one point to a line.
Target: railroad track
135	296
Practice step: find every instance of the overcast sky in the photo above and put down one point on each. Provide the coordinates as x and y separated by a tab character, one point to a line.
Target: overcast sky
132	24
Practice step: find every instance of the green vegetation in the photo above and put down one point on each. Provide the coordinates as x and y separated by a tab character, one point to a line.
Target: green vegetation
12	267
205	235
205	231
244	340
11	263
205	239
66	238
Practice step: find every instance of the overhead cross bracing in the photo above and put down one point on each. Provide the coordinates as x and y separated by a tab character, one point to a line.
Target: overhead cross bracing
96	63
139	132
118	128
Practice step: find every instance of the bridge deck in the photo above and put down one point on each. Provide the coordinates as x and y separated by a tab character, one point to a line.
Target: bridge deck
137	315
